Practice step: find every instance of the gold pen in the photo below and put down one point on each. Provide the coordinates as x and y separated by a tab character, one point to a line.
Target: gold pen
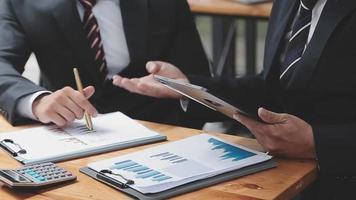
87	117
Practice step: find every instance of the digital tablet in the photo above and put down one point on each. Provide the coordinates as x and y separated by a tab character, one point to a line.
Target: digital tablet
202	96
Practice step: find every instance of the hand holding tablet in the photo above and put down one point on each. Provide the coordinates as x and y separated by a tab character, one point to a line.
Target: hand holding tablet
202	96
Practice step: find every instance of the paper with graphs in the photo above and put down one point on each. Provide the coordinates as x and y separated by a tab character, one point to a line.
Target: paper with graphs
167	166
52	143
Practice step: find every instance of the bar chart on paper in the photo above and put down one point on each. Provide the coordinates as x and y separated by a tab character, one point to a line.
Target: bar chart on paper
169	157
140	171
169	165
230	151
158	167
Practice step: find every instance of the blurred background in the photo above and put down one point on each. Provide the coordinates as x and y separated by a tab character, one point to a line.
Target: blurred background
205	28
204	25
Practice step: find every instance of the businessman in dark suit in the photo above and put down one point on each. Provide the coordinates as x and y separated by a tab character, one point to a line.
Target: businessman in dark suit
101	38
308	82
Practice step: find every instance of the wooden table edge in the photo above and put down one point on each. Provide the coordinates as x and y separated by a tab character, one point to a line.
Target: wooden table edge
231	9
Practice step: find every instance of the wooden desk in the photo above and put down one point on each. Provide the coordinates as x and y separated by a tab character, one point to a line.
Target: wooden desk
230	7
283	182
224	13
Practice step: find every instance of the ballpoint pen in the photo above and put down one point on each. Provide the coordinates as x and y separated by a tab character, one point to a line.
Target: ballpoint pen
87	117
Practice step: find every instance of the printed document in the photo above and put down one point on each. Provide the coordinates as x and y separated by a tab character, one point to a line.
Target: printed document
48	142
170	165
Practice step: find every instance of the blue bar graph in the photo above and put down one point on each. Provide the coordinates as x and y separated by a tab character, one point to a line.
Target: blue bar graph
171	158
148	174
142	172
179	161
162	178
230	151
131	167
123	164
139	169
162	154
167	156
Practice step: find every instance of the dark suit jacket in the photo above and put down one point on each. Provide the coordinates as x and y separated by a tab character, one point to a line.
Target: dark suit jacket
154	29
322	91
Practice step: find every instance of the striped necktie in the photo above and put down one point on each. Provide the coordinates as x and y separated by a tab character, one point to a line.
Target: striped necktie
298	41
91	29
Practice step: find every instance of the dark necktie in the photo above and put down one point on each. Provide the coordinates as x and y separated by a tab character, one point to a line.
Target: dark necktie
298	41
91	28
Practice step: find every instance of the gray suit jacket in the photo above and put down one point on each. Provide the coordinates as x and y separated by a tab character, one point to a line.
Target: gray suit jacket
155	30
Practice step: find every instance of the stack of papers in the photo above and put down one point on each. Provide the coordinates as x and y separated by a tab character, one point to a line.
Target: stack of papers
167	166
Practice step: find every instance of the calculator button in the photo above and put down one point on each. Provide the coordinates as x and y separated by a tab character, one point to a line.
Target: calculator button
41	179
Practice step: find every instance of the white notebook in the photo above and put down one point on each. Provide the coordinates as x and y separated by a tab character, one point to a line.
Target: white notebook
112	131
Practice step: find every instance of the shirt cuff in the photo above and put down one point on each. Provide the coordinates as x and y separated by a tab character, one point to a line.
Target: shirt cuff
184	103
24	106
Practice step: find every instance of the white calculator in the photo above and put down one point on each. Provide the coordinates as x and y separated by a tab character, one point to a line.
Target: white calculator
35	176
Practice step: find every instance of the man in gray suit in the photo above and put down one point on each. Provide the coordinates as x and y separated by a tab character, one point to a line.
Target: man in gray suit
100	37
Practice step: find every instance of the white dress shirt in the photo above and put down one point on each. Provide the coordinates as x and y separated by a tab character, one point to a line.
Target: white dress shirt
318	9
108	15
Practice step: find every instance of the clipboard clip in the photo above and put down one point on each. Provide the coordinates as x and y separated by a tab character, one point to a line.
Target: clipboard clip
10	150
102	176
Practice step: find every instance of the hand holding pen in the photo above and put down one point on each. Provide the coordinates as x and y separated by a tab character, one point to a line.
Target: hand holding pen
89	123
63	106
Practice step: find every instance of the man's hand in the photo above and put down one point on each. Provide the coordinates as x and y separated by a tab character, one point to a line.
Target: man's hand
282	135
64	106
148	86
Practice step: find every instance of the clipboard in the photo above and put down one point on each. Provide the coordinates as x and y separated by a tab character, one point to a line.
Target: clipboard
16	154
189	187
49	143
202	96
4	144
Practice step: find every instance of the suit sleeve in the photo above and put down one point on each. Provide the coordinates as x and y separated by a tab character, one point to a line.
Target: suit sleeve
335	148
14	52
186	50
